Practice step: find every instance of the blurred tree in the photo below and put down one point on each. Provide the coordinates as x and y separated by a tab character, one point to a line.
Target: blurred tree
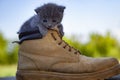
97	46
13	55
7	56
3	47
103	44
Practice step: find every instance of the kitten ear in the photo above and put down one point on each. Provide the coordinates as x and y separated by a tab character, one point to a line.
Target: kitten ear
37	10
61	8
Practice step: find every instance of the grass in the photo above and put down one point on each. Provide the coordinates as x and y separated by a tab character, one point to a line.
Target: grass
8	70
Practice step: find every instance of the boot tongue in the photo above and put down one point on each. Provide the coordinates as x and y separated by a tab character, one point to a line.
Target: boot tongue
56	29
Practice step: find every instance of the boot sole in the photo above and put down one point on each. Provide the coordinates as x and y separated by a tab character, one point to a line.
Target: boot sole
44	75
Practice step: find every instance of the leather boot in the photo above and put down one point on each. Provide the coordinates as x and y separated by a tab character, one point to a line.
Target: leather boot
51	58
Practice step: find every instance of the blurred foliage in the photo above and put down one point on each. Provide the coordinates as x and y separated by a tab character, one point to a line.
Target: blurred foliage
97	46
3	45
8	53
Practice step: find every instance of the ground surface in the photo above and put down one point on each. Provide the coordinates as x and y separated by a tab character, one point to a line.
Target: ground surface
13	78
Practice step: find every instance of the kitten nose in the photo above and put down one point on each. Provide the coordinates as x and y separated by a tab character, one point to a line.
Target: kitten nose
49	26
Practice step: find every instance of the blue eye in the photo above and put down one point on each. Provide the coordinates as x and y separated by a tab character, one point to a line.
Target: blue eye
45	20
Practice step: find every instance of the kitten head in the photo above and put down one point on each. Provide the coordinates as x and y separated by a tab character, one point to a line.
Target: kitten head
50	14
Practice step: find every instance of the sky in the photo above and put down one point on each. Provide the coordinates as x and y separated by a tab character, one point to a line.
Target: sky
81	17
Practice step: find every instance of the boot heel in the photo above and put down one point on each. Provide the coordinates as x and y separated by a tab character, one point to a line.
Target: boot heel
19	76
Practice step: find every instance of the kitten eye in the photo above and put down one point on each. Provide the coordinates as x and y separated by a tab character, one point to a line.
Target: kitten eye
45	20
53	20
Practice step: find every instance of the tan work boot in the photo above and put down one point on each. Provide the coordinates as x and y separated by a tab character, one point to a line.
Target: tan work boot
51	58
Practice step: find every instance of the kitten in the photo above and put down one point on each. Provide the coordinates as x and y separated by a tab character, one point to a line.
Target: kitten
48	16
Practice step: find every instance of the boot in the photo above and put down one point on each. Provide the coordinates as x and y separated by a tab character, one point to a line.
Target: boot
51	58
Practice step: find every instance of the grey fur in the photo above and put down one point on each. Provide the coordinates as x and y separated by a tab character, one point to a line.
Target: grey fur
48	16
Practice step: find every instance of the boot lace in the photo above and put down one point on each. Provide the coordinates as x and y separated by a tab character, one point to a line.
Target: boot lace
70	48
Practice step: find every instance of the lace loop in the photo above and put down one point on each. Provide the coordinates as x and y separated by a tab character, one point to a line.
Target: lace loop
53	36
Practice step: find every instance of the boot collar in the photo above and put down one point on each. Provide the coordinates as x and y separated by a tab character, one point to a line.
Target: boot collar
34	34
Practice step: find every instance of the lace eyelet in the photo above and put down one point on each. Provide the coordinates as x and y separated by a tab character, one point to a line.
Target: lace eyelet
75	52
64	46
59	43
69	50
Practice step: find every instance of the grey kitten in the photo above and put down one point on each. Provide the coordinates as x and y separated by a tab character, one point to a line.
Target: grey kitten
48	16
